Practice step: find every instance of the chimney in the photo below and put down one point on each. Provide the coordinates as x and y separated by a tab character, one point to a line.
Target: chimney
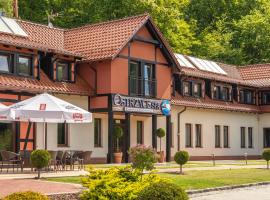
15	9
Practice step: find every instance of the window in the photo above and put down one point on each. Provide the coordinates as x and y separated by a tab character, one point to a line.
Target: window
226	137
265	97
222	93
24	65
250	137
62	134
63	71
197	89
266	137
216	92
247	96
6	136
139	132
187	88
243	137
217	136
188	135
191	88
5	62
226	94
198	128
142	79
97	133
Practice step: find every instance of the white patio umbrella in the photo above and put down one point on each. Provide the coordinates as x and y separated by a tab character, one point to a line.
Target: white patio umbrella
47	109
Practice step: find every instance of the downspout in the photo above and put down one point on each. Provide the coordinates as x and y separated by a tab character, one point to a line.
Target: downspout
178	127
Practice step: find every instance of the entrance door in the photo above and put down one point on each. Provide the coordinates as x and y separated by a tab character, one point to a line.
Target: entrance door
121	123
6	137
266	137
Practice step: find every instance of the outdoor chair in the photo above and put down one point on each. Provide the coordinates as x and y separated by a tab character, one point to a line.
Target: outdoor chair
11	158
84	158
53	161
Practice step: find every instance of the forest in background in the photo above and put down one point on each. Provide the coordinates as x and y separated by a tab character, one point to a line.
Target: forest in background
229	31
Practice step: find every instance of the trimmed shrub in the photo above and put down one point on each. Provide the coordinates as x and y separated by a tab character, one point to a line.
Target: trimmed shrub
40	158
266	156
118	133
26	196
160	134
163	190
181	158
142	157
115	184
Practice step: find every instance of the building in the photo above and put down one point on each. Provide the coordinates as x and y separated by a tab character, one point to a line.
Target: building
126	74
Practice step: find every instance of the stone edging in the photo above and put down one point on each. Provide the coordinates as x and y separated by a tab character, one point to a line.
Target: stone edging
191	192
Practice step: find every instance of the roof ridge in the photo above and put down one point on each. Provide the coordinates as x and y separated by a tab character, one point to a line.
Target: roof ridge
39	24
108	22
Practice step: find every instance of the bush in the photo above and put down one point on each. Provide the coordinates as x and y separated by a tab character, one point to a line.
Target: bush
266	156
40	159
163	190
26	196
115	184
181	158
142	158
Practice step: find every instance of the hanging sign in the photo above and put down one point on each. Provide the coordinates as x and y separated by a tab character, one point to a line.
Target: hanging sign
140	105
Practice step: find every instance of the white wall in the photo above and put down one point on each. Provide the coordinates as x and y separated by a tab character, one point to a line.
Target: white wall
210	118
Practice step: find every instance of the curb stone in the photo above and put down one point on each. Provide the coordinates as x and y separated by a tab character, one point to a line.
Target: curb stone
191	192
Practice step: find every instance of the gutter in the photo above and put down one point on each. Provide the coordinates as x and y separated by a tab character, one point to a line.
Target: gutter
178	127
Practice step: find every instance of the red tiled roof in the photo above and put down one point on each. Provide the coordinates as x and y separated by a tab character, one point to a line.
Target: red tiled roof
103	40
39	37
45	84
208	103
258	71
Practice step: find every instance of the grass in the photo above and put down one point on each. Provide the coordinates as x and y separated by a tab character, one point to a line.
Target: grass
218	178
203	179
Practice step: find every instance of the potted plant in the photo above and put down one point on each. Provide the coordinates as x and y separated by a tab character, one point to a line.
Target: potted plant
160	134
118	133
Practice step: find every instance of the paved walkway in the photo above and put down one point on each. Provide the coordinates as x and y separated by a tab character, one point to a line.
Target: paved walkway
9	186
251	193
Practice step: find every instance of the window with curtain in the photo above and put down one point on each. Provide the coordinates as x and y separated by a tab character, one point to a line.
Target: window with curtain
188	135
5	63
97	133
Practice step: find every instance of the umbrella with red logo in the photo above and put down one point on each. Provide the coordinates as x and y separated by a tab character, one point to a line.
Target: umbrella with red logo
47	109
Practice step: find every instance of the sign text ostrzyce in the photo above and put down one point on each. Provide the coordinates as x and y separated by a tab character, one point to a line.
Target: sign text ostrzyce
133	104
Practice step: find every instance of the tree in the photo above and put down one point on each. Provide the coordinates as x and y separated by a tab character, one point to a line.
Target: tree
266	156
181	158
40	158
118	133
160	134
6	6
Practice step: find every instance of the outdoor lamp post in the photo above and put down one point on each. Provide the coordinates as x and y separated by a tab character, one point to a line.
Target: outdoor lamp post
246	155
213	159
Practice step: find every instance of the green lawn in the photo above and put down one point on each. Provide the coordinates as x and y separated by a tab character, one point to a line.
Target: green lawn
204	179
218	178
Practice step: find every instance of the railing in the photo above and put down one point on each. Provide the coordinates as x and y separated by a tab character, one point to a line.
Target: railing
142	87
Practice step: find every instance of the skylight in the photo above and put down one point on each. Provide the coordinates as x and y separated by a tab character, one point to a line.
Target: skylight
183	61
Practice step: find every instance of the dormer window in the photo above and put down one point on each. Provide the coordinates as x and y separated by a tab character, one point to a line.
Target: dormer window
192	88
63	71
265	98
247	96
222	92
24	65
